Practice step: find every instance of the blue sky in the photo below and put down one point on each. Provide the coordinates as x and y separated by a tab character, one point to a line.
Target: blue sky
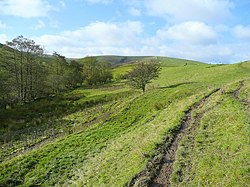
215	31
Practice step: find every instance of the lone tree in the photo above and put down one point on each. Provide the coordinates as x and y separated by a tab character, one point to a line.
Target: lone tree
143	73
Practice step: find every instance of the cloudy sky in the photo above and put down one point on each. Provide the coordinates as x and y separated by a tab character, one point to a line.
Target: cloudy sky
216	31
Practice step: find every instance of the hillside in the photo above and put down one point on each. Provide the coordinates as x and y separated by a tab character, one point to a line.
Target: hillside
118	60
114	135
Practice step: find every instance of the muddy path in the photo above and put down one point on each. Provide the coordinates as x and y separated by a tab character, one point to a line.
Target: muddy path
159	169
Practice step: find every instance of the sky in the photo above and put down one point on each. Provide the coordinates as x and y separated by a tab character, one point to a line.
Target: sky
213	31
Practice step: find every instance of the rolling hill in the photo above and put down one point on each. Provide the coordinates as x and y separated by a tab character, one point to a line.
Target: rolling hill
190	128
119	60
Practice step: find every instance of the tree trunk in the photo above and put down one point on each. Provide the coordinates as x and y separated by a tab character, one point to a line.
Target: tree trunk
143	88
31	83
16	77
21	77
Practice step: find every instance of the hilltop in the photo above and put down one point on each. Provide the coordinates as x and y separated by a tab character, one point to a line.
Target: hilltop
119	60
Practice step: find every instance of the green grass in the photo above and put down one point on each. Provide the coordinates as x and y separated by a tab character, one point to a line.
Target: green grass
173	62
217	153
204	75
27	125
118	60
109	133
121	70
89	144
166	61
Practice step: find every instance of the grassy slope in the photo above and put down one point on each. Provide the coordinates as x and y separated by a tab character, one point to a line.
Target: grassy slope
121	59
165	62
118	60
217	153
110	153
24	126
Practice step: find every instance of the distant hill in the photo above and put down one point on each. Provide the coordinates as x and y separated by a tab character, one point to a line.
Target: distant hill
166	61
121	60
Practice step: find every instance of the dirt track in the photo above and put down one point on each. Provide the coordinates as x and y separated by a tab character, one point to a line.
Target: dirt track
159	169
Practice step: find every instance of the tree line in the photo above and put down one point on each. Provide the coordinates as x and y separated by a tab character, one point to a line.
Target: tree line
27	74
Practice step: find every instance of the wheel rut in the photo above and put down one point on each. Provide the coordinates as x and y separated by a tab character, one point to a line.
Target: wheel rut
236	94
160	167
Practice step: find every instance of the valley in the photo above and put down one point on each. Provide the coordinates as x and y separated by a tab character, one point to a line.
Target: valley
190	128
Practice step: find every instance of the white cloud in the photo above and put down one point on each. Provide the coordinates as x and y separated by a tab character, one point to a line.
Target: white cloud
196	33
3	38
2	25
242	32
134	11
212	53
188	40
40	24
99	1
95	38
25	8
212	11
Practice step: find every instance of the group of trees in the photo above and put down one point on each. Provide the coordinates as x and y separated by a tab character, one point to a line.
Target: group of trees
61	74
26	73
20	70
96	72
